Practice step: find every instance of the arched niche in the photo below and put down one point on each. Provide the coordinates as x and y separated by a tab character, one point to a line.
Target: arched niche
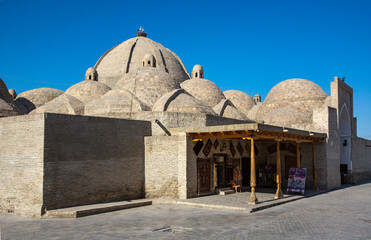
345	136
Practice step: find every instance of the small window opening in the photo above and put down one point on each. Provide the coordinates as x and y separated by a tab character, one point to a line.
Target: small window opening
149	62
143	64
89	77
196	74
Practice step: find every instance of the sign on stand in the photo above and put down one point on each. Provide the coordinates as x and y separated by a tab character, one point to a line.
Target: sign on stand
296	181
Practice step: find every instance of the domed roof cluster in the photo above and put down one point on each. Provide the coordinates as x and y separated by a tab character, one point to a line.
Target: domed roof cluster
141	75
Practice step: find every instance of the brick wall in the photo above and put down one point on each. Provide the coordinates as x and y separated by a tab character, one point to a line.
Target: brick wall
92	160
361	160
161	166
21	165
175	119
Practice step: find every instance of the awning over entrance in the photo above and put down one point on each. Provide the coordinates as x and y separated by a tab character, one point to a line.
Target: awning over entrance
256	132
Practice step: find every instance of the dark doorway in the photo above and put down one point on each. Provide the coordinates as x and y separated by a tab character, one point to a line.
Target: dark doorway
203	175
343	173
246	172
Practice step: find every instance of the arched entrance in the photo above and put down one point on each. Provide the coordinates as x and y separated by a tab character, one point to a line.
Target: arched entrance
345	142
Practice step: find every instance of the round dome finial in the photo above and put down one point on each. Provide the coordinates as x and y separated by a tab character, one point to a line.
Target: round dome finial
13	93
91	74
141	32
257	98
198	71
149	61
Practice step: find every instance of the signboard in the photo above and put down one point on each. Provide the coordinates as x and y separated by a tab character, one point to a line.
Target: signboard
296	181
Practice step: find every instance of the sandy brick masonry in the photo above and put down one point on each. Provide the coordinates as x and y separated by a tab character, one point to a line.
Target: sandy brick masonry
50	161
21	164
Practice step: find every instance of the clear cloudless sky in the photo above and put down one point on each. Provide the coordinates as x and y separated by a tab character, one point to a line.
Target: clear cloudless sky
249	45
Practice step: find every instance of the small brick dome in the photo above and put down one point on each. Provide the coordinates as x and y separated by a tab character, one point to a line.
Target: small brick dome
64	104
204	90
114	102
181	101
86	91
242	101
35	98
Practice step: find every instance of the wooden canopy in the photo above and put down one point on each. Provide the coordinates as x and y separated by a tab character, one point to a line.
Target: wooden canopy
256	131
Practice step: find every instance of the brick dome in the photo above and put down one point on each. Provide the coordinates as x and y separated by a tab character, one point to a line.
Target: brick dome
204	90
148	84
242	101
226	109
64	104
286	116
86	91
35	98
128	56
295	89
293	96
4	93
115	102
181	101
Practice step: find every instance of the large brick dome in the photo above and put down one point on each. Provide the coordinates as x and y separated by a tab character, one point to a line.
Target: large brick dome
128	56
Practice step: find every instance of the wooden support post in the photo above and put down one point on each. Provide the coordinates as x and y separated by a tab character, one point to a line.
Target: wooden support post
253	199
297	155
279	193
315	186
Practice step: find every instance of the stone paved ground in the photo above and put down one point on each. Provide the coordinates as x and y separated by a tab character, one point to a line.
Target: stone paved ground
236	201
340	214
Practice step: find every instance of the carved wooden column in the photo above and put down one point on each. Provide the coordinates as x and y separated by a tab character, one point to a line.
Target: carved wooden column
253	199
279	193
297	155
315	186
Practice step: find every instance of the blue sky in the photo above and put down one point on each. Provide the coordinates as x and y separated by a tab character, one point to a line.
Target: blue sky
245	45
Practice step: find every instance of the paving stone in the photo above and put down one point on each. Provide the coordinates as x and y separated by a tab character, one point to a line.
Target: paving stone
339	214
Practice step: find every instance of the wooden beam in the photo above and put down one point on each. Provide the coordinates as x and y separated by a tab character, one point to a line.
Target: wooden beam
253	199
279	193
258	135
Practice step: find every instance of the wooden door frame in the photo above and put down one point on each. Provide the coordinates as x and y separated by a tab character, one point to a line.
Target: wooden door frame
226	156
210	168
